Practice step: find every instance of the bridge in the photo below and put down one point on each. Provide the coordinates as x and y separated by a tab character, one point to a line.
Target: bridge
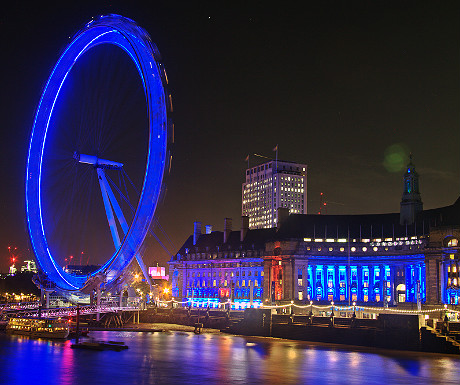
65	312
34	309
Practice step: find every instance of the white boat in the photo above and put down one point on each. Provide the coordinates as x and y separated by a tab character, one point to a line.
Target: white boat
39	327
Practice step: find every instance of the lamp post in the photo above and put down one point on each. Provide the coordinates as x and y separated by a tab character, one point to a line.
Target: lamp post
310	315
445	323
331	321
353	317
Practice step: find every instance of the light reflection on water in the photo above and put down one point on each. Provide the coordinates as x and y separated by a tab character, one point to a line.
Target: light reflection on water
186	358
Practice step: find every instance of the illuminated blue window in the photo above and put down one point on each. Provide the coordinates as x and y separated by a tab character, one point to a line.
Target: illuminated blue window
330	283
354	283
310	282
388	283
365	284
319	291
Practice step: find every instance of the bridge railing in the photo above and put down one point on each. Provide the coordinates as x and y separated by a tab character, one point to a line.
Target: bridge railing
18	306
65	312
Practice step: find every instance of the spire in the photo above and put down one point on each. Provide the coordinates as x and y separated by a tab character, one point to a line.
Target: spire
411	203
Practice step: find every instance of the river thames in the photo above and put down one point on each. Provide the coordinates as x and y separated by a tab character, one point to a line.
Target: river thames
186	358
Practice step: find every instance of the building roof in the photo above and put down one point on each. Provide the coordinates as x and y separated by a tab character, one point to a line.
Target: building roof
213	242
298	226
368	225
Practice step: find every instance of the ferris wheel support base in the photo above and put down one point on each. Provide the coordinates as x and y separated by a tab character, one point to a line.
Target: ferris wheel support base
111	204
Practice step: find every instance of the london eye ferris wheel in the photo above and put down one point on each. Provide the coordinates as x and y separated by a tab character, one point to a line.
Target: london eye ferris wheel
97	153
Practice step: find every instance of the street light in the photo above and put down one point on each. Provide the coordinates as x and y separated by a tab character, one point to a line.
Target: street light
331	321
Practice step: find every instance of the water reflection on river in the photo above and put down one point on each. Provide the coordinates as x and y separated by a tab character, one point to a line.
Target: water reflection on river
186	358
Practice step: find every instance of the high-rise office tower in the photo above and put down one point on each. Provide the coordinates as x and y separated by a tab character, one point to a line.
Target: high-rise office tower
271	185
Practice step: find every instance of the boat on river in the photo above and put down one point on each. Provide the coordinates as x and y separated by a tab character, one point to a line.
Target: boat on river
38	327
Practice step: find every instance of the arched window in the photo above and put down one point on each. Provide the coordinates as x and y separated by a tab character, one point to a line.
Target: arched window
452	242
401	292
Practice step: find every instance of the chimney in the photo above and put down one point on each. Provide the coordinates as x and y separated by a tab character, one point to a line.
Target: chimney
227	228
196	232
282	214
244	227
208	229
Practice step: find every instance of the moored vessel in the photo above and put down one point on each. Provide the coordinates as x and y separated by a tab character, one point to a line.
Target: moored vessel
38	327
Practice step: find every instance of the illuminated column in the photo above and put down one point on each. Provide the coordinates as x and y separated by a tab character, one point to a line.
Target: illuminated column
412	282
418	295
408	283
381	283
324	281
423	281
371	283
319	270
348	283
314	283
359	280
392	285
309	281
336	283
305	281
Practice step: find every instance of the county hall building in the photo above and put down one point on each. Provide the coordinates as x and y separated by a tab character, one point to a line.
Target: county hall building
382	259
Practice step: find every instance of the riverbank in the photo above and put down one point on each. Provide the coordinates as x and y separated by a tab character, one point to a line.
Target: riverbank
153	327
168	328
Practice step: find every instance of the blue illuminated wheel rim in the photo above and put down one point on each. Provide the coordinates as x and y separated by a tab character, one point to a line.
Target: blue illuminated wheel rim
135	41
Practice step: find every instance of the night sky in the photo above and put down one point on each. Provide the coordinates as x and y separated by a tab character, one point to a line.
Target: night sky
348	88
